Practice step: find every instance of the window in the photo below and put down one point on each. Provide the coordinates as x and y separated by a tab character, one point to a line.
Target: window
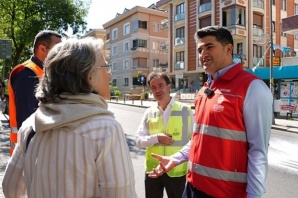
140	62
115	34
273	26
180	56
282	33
284	5
296	9
126	29
126	64
114	82
273	2
126	46
143	24
114	66
241	17
155	45
180	32
108	36
180	8
257	51
136	24
139	43
205	22
239	48
136	81
257	55
126	82
155	62
156	27
114	50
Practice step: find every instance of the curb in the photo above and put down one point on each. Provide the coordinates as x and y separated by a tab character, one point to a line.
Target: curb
127	104
285	128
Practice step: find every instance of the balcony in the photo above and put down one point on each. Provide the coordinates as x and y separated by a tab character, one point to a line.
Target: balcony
258	4
179	65
237	30
164	46
179	41
257	31
164	65
140	52
164	23
179	17
290	25
204	8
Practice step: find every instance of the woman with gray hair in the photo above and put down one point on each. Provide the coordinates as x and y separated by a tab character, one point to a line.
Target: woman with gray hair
79	149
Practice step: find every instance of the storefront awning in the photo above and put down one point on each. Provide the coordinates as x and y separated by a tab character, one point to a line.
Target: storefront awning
282	72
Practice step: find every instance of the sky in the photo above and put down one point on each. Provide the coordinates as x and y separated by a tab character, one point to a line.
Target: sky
102	11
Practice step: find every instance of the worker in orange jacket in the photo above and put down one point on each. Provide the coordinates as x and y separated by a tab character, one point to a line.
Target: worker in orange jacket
23	80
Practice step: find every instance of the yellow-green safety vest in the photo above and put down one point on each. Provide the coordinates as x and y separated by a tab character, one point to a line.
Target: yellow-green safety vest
179	125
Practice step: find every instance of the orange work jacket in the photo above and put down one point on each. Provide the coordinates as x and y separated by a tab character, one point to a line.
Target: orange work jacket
12	107
218	153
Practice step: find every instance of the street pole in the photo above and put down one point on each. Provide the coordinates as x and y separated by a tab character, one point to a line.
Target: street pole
271	60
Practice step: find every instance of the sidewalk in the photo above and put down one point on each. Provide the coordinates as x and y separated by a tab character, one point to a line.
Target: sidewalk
281	123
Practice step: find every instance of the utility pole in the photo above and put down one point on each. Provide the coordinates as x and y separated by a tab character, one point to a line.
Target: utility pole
271	60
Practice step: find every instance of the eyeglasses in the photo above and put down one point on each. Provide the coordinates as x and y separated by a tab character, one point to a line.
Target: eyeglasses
107	67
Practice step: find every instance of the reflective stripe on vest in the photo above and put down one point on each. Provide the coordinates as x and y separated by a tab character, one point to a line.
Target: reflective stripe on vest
217	173
179	121
12	107
221	133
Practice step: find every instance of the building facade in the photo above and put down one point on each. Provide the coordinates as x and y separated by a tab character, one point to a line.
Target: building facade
250	23
100	34
136	42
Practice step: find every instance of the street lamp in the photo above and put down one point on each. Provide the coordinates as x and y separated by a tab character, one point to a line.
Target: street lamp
271	60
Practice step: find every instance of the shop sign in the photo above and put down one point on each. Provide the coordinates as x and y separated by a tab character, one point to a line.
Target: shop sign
276	61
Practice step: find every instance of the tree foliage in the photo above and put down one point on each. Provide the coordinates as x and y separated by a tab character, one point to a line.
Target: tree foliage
21	20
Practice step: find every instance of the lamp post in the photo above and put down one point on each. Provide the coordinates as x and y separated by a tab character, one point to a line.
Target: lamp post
271	60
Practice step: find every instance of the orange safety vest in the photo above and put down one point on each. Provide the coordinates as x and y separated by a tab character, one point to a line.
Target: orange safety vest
218	153
12	107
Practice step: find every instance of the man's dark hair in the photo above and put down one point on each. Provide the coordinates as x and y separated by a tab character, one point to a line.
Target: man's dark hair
158	74
221	34
44	38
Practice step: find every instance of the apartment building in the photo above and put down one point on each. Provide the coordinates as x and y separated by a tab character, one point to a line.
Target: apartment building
100	34
136	42
249	22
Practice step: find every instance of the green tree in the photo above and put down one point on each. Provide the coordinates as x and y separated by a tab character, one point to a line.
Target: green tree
21	20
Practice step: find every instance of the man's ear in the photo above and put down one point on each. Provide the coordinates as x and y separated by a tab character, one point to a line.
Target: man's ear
42	48
230	48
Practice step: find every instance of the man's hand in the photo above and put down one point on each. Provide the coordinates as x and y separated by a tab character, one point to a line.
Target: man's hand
165	165
165	139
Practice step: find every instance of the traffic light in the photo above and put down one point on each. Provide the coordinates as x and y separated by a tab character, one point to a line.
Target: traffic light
5	49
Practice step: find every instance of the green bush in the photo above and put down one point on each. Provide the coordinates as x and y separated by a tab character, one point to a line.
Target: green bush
114	91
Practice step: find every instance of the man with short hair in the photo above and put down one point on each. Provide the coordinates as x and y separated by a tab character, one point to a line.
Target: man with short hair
23	80
165	128
228	152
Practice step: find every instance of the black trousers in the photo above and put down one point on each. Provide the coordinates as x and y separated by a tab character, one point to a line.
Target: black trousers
191	192
174	186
